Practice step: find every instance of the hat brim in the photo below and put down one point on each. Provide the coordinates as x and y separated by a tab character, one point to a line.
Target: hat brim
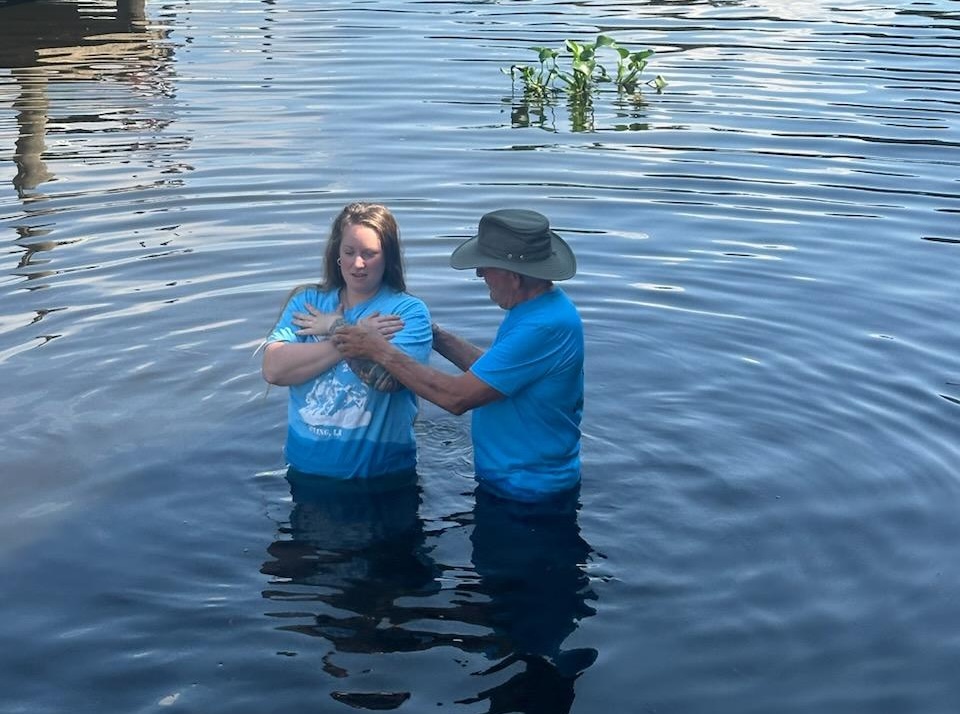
561	265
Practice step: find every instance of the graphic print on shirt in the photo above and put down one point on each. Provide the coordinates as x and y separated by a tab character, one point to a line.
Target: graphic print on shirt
335	402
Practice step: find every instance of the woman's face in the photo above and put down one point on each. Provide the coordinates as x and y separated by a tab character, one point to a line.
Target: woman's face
361	260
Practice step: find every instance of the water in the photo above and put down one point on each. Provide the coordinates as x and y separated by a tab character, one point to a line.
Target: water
768	256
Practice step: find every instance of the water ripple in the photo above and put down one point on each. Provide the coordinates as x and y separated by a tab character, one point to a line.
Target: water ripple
767	267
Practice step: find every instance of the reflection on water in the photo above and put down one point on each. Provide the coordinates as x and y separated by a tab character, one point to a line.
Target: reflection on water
353	567
45	43
529	560
767	256
628	114
359	548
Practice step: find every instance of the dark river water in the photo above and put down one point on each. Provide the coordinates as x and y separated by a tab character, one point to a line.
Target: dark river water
769	254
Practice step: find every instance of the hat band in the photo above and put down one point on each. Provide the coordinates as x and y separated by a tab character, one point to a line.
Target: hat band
530	253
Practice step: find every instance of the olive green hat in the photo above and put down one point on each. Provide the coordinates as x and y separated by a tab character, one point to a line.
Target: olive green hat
518	240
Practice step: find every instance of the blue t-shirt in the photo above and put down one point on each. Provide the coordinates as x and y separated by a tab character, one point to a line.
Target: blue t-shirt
337	426
527	446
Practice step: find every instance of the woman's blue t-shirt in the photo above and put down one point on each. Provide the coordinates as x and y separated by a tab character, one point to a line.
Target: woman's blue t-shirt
338	426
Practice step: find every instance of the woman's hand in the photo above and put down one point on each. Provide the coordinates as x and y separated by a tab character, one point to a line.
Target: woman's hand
386	325
314	322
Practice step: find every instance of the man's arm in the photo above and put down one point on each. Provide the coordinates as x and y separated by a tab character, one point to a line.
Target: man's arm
456	349
455	393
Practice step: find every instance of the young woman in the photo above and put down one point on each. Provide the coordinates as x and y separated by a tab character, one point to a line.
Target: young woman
349	418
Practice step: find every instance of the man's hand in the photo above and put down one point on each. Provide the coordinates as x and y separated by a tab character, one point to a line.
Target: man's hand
362	341
359	344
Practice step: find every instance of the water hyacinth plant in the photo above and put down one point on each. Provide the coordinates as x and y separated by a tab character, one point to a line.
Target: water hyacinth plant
585	71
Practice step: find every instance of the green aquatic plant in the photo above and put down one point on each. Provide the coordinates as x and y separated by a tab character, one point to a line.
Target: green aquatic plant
629	67
580	77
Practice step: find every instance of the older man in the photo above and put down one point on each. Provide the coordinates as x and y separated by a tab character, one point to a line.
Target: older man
526	390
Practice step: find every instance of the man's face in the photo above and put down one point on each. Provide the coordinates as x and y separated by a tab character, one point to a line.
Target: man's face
504	286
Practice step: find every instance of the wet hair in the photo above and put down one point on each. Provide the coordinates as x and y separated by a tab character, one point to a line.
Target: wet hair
380	220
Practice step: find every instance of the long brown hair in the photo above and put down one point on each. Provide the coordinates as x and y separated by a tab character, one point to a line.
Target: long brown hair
380	220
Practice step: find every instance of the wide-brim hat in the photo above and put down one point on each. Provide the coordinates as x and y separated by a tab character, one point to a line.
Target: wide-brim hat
518	240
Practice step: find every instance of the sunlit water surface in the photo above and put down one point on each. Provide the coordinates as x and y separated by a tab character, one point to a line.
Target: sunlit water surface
768	252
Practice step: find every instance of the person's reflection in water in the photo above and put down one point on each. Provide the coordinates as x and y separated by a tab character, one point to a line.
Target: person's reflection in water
530	559
359	544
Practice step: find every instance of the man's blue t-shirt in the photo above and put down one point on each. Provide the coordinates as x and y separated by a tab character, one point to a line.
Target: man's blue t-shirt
527	446
337	425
